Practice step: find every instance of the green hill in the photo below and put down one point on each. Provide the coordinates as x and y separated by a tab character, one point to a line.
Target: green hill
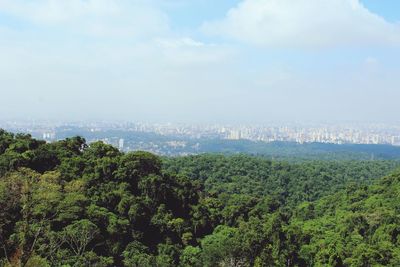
71	204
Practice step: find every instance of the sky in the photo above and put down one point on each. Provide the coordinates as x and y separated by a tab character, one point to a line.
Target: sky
227	61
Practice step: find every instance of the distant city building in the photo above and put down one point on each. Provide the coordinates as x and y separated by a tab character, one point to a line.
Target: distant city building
48	136
176	135
234	135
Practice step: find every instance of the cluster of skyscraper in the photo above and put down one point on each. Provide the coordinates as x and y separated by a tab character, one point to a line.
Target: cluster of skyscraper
353	133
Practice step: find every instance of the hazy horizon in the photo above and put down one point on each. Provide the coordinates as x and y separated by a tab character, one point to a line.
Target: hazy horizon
248	61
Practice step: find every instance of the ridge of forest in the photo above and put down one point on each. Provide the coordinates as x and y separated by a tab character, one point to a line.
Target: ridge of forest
68	203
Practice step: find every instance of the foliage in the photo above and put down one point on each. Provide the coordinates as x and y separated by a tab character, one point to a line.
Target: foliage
71	204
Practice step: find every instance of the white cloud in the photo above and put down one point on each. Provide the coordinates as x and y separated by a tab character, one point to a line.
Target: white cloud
149	45
52	62
304	23
186	51
50	11
91	17
179	43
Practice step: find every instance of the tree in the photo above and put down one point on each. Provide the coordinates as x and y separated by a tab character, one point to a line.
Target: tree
137	255
222	246
191	257
79	235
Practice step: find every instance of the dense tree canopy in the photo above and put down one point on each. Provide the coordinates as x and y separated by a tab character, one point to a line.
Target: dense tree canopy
71	204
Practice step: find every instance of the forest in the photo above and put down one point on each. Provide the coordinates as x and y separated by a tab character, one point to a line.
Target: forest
69	203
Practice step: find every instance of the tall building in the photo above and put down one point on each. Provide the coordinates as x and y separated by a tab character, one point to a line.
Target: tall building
234	135
121	144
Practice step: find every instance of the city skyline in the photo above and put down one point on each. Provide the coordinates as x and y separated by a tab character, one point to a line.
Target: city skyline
331	133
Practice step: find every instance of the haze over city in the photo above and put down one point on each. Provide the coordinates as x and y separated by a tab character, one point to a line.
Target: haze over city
248	61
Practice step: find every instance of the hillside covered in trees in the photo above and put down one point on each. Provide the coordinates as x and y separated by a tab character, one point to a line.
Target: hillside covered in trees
68	203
